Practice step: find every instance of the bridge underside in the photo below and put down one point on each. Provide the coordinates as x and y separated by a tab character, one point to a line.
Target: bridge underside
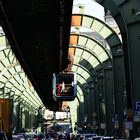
36	32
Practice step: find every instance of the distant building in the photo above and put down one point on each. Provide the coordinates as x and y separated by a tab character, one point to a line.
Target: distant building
109	20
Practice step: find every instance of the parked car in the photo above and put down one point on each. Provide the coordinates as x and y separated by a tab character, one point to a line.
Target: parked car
61	136
18	137
108	138
96	138
137	138
39	136
87	135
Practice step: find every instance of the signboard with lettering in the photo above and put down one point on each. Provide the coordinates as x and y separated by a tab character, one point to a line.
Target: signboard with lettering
61	115
136	105
48	115
128	125
136	118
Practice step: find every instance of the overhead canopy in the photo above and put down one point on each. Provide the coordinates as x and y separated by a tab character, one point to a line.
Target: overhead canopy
14	84
92	23
88	46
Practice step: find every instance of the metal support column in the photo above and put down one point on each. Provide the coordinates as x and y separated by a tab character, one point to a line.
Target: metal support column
119	91
108	82
101	100
129	24
97	105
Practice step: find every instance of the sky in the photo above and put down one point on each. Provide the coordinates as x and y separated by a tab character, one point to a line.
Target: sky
91	8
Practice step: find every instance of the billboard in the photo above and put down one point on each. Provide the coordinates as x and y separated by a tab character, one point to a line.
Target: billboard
60	115
64	86
48	115
5	115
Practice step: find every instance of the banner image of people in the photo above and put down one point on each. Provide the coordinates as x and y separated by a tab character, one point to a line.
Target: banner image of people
64	86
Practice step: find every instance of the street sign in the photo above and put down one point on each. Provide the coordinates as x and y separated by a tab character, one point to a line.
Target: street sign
137	105
102	126
128	125
136	118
